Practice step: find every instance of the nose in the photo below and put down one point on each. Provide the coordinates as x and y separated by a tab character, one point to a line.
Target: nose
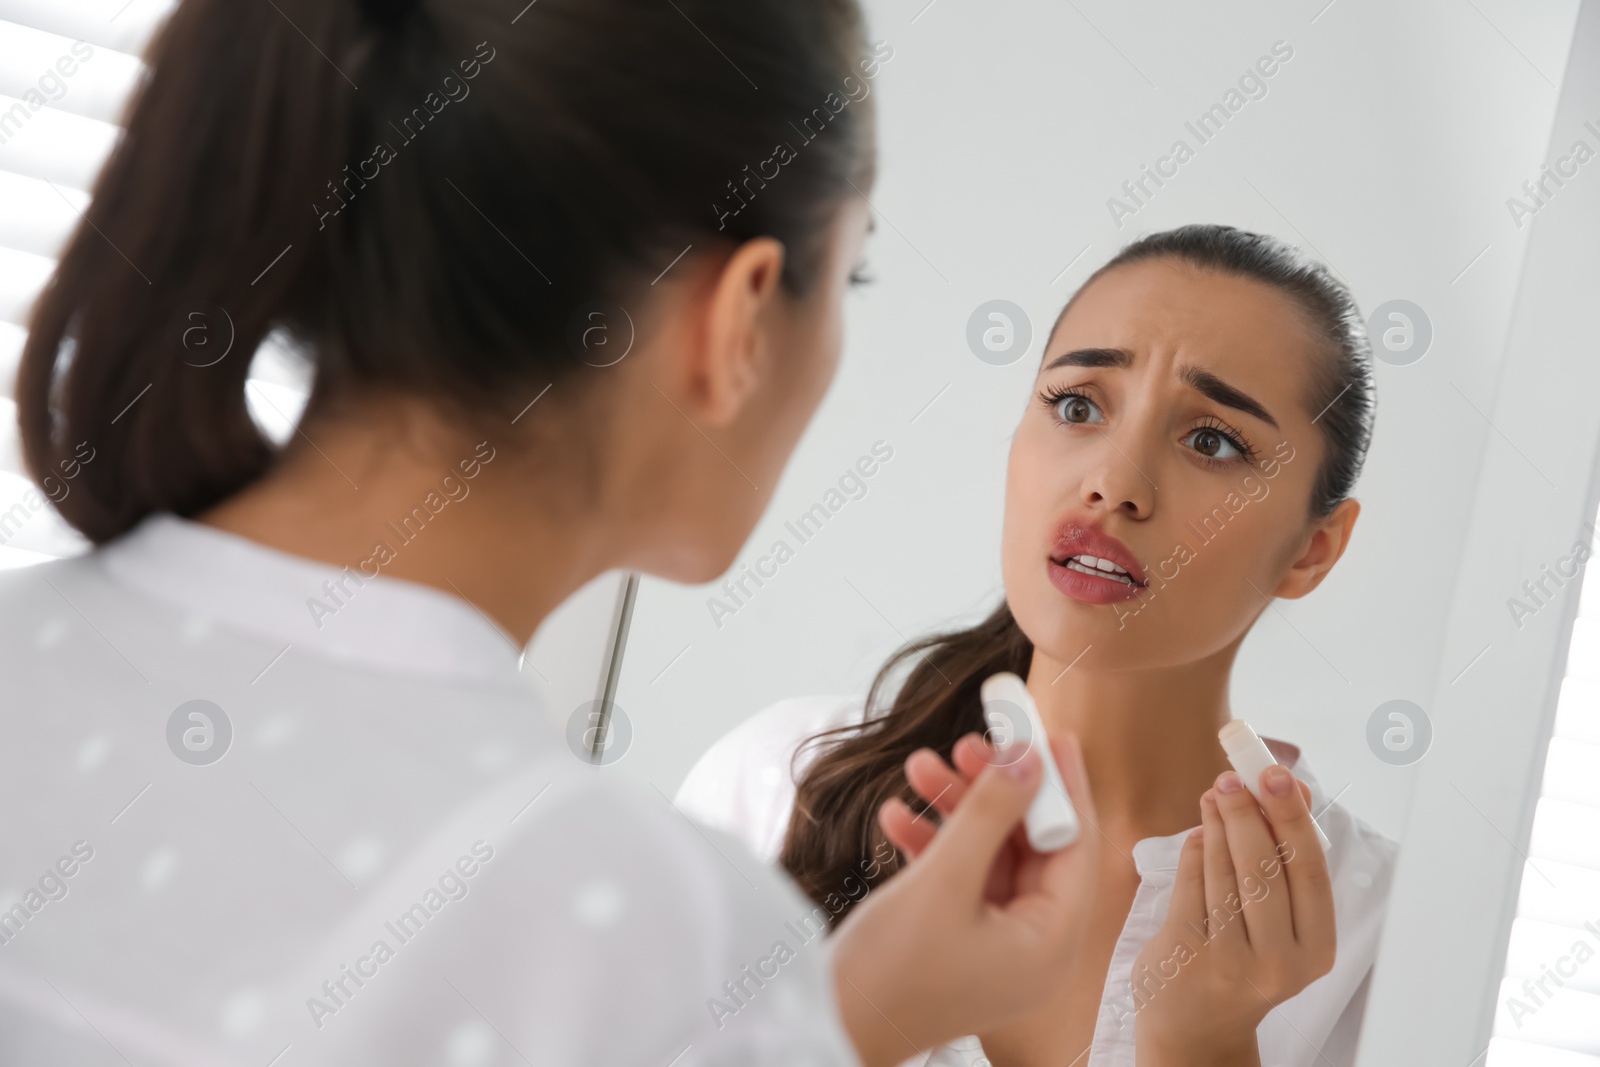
1120	478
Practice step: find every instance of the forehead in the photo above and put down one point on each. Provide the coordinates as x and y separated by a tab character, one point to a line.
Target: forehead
1167	312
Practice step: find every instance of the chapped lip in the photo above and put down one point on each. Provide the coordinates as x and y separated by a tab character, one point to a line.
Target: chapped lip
1078	537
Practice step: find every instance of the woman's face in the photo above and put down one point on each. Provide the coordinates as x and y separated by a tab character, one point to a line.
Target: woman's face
1170	441
698	503
807	337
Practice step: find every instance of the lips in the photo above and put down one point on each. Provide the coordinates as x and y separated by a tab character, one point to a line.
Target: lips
1092	566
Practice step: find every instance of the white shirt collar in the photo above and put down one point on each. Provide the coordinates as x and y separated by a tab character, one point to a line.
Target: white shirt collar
313	608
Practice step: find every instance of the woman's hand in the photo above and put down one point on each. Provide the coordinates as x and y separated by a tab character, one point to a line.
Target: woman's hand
1250	925
973	932
943	786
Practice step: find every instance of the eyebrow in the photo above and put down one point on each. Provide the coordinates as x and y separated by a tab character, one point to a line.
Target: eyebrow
1209	385
1202	381
1093	357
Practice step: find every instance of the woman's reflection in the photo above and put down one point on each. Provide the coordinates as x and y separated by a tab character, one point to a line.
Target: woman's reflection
1202	411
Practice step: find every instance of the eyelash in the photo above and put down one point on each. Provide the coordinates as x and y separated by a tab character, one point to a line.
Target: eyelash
1228	433
858	275
1054	395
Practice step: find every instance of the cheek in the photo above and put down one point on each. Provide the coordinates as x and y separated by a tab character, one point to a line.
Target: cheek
1030	493
825	344
1038	492
1036	466
1216	581
832	345
1016	530
1225	543
807	367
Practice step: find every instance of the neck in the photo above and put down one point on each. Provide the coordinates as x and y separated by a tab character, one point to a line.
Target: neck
1149	736
417	500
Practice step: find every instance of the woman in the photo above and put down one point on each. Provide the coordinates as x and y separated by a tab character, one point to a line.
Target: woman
1203	407
275	791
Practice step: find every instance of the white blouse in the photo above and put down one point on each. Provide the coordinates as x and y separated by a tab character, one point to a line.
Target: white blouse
743	785
243	833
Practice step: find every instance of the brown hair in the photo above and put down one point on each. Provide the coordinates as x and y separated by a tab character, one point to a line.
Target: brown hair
834	824
432	231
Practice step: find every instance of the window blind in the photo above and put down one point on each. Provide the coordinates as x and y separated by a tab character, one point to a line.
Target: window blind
67	68
1548	1011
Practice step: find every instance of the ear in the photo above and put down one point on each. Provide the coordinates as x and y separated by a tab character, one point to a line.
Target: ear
1323	549
727	367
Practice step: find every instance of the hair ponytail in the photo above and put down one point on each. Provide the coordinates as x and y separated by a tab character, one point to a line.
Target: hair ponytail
235	120
431	231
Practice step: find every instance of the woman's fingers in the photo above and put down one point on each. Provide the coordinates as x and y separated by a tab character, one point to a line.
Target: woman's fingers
971	755
1188	904
911	832
937	784
1223	902
935	781
1267	915
904	829
970	838
931	776
947	789
1305	866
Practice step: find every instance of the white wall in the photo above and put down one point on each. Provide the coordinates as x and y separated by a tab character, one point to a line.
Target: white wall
1467	834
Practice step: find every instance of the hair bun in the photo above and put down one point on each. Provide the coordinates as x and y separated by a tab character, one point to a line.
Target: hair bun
388	12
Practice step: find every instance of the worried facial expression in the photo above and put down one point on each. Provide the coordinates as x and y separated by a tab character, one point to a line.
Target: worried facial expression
1159	485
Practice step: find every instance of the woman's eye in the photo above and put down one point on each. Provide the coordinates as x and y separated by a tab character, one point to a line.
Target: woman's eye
1213	445
1078	409
859	275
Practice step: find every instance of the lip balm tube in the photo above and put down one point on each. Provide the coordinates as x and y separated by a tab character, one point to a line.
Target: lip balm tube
1052	823
1250	756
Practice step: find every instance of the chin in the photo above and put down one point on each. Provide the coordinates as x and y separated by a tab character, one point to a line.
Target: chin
1063	629
687	564
1145	642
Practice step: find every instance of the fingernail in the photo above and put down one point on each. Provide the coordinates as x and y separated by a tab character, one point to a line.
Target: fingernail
1020	767
1279	780
1229	782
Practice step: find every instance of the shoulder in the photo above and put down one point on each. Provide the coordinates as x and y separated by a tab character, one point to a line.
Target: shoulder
43	606
1361	860
1362	864
597	897
744	784
724	947
27	581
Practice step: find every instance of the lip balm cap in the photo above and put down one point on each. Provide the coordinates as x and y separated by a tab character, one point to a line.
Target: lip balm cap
1249	756
1052	822
1237	736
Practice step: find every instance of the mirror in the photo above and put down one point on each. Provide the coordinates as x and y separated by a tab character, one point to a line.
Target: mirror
1406	149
